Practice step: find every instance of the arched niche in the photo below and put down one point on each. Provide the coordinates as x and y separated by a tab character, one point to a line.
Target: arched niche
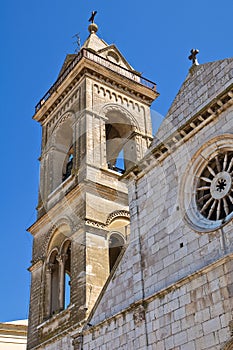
118	223
62	151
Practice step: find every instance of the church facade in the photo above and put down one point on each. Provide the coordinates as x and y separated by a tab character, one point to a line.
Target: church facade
133	243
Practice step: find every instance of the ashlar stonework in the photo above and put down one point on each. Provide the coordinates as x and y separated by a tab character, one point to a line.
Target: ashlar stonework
133	243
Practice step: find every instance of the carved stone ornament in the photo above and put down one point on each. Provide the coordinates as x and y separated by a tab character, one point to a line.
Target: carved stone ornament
139	315
117	214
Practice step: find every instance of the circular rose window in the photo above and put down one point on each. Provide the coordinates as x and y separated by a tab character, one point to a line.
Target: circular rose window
214	194
207	190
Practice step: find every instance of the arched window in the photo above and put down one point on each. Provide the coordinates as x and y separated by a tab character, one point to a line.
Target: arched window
61	152
58	272
116	243
66	274
54	283
68	164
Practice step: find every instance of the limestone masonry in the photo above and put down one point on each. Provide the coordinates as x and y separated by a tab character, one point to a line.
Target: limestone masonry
133	243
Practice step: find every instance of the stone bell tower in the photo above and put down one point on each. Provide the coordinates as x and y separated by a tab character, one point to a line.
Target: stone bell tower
96	125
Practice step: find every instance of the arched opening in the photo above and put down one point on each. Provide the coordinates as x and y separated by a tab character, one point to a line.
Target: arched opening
68	164
67	275
54	287
58	272
116	243
62	153
120	145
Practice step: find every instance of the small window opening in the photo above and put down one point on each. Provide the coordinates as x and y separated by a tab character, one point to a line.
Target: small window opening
54	303
115	246
67	278
68	164
67	290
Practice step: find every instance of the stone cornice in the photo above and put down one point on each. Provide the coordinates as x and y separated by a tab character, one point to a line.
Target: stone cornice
13	329
36	264
181	135
86	67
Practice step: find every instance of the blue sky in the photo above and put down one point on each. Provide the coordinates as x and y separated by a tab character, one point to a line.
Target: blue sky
154	36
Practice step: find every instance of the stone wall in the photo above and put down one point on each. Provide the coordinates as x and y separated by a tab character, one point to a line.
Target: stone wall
173	287
194	314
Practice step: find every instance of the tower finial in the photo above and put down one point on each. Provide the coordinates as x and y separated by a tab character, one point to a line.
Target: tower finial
93	28
92	18
193	56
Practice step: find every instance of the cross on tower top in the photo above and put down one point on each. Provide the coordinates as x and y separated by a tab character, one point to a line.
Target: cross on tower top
193	56
92	18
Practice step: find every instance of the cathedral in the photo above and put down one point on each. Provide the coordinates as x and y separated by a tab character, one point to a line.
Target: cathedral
133	241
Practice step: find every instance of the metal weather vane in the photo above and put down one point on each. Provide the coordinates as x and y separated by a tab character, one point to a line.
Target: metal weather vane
78	42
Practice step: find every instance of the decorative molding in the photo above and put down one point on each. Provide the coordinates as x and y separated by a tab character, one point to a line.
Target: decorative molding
124	89
63	118
117	214
181	135
116	97
36	264
63	109
59	223
94	223
113	107
60	99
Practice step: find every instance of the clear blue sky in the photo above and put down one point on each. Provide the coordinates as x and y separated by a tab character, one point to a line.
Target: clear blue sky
155	37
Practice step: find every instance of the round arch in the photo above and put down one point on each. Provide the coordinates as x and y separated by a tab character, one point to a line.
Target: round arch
113	108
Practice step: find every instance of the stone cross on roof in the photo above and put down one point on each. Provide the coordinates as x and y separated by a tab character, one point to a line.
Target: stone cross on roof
193	56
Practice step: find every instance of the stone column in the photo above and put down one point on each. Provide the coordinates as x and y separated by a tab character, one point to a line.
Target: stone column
49	271
62	260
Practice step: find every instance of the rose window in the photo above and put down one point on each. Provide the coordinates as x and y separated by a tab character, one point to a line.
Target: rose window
206	189
214	191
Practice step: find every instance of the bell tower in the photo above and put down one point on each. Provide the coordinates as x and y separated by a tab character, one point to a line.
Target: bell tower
96	125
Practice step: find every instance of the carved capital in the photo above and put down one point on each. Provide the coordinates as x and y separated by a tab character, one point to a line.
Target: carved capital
62	258
50	267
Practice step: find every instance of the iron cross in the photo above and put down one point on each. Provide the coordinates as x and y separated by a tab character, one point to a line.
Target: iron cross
92	18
